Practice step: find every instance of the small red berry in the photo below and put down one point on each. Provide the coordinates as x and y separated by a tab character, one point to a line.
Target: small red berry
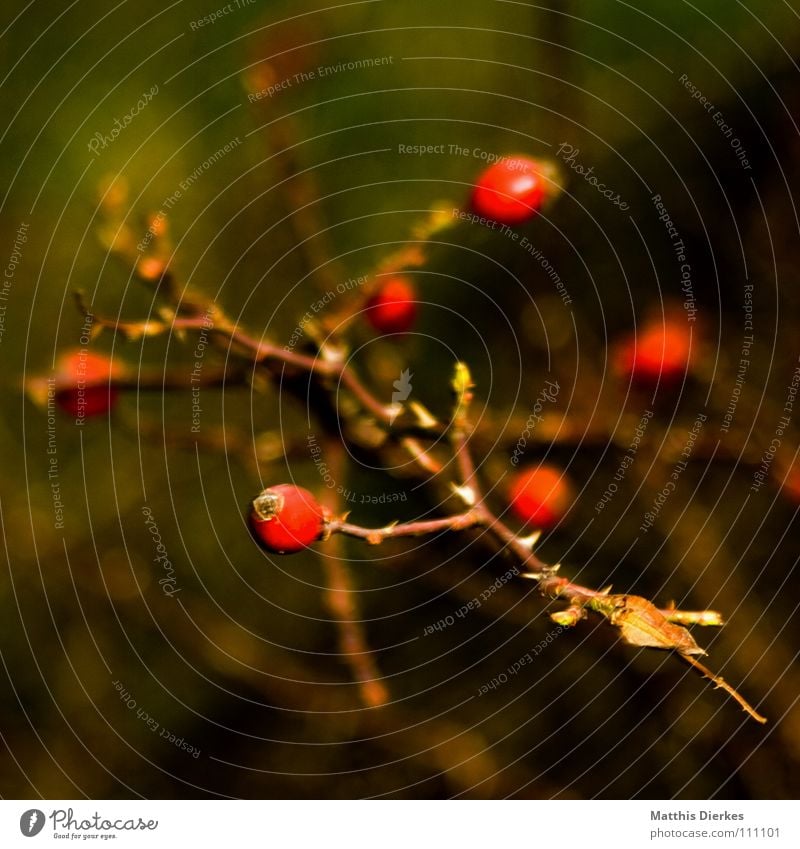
540	496
393	308
661	350
510	191
82	383
286	518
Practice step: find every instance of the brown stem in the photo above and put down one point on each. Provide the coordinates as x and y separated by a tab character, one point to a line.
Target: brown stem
723	684
420	455
349	379
157	379
465	465
340	599
639	621
262	352
515	544
468	479
375	536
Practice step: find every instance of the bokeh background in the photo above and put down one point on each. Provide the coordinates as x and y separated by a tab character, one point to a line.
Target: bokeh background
243	664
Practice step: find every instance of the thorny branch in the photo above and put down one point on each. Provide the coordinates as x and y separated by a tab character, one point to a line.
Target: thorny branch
638	621
415	430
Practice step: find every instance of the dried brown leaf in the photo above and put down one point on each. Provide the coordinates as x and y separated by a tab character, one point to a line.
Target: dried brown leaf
642	624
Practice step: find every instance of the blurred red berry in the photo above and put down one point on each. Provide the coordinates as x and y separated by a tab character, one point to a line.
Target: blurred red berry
393	308
286	518
540	496
791	485
151	269
157	224
82	383
661	350
511	191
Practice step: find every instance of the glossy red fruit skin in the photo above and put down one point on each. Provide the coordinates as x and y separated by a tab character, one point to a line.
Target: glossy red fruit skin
661	351
510	192
540	496
82	388
286	518
393	309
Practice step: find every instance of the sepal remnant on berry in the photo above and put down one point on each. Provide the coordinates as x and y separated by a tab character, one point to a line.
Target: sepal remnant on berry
286	519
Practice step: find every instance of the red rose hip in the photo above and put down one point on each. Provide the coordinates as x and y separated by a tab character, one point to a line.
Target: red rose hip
82	384
511	191
540	496
661	350
393	308
286	518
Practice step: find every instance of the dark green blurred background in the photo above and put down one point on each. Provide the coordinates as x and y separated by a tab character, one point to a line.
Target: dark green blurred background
243	664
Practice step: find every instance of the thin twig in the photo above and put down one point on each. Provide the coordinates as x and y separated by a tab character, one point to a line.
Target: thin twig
723	684
375	536
341	599
639	622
